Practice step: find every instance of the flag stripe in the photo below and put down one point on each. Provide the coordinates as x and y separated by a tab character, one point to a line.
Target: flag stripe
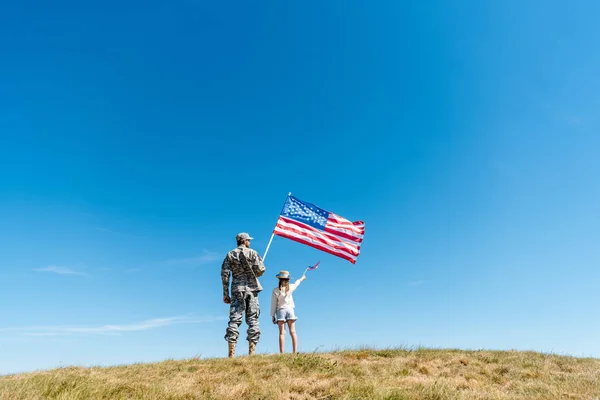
348	228
324	238
343	234
343	228
357	226
316	240
308	242
335	237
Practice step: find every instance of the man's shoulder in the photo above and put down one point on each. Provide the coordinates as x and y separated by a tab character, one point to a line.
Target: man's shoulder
235	250
250	252
229	254
245	250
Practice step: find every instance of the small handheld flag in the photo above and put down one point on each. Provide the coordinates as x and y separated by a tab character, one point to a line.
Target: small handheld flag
313	267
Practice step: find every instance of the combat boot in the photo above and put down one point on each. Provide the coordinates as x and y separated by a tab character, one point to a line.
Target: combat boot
251	348
231	351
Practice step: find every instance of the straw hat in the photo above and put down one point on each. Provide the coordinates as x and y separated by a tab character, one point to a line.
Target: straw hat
283	274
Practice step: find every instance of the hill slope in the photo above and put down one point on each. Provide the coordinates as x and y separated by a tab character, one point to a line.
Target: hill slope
361	374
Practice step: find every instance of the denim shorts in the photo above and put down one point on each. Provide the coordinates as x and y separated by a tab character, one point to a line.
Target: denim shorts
285	314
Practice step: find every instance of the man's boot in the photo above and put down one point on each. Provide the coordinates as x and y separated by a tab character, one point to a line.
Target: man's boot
231	351
251	348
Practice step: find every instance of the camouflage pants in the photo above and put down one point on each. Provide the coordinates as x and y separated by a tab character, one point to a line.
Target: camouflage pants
243	303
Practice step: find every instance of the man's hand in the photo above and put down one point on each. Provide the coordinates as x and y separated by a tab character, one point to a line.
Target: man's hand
274	320
226	299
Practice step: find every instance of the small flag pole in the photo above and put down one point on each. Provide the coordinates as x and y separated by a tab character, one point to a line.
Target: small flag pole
273	234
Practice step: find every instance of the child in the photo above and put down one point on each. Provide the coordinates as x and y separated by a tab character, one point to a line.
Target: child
282	308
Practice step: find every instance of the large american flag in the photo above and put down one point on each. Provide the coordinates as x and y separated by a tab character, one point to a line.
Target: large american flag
308	224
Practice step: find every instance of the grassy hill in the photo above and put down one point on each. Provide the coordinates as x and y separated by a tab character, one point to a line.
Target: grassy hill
359	374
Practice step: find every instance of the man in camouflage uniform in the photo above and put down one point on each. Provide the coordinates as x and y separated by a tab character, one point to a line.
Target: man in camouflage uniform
245	266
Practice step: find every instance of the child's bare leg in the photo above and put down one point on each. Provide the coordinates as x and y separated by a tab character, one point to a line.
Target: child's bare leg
281	335
292	326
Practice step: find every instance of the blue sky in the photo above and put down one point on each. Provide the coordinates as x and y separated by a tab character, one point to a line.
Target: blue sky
138	138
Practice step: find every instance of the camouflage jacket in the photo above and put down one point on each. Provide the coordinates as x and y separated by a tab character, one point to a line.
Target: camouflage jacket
245	266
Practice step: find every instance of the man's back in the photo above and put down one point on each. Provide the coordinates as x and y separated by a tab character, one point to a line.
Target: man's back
245	266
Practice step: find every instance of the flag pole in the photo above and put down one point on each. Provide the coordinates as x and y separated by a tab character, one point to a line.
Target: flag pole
273	234
269	245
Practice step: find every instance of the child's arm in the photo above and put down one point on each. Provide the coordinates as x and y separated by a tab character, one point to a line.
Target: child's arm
295	285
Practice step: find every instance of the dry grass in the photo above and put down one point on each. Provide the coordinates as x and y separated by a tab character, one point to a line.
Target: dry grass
423	374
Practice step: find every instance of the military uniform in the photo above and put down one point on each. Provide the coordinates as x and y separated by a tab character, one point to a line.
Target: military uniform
245	266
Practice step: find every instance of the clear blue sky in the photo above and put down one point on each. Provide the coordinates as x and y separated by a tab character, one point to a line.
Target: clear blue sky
138	138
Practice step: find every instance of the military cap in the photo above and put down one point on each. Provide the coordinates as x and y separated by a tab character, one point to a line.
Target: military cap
243	236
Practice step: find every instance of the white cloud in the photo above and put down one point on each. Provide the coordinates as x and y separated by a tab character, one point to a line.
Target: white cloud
114	330
58	270
415	283
205	258
41	333
140	326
